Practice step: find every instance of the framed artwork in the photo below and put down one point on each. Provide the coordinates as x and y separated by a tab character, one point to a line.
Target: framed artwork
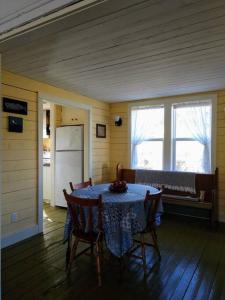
14	106
100	131
15	124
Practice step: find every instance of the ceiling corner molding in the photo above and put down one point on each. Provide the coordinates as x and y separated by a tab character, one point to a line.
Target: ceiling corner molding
46	17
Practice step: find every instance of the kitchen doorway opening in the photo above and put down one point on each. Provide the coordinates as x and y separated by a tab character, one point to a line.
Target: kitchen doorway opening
64	155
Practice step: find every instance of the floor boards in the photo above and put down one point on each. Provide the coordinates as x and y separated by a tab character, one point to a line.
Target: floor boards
192	266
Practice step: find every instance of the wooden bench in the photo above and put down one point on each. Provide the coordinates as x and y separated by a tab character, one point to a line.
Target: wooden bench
179	202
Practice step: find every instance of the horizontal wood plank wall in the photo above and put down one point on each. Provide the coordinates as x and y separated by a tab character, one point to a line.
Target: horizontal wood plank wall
20	166
100	114
220	152
119	145
20	150
100	146
58	115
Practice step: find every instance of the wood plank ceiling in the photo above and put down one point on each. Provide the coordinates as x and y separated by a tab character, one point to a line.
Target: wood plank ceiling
130	49
17	13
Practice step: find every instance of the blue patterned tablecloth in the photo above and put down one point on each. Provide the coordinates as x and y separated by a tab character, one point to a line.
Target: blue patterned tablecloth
123	214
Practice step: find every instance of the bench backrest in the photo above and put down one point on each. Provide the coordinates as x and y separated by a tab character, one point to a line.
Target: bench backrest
203	182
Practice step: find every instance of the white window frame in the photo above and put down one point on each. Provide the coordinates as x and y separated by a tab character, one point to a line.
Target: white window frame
168	159
154	139
174	139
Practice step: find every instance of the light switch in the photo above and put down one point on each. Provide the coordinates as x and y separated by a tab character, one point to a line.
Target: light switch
14	217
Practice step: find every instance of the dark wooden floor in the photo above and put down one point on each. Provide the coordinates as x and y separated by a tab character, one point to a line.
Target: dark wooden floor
192	266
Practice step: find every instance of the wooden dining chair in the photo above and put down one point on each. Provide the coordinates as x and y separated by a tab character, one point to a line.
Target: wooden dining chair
82	214
81	185
151	204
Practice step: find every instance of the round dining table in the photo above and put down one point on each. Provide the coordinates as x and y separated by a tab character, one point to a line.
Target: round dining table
123	214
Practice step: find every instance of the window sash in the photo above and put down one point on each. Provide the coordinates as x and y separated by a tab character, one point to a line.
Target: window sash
174	154
154	140
190	104
136	136
185	139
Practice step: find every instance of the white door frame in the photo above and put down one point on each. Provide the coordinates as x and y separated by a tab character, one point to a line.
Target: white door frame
65	102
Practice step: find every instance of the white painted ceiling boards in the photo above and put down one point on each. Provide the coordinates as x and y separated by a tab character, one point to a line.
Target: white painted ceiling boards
15	13
129	49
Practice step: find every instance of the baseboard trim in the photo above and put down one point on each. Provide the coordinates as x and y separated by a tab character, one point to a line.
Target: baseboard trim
222	219
19	236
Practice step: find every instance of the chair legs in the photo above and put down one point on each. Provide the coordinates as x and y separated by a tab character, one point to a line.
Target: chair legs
98	250
155	242
143	245
68	250
92	248
143	255
72	254
98	253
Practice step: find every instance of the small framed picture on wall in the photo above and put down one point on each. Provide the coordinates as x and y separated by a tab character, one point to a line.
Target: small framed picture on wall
15	124
100	131
14	106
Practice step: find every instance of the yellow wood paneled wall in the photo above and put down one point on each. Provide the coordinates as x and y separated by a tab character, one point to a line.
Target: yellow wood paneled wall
100	146
20	166
220	152
20	150
58	115
119	142
119	145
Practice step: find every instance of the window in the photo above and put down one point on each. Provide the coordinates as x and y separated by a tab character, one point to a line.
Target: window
148	137
192	137
172	136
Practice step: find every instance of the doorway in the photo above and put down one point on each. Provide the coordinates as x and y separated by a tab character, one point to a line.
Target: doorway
54	115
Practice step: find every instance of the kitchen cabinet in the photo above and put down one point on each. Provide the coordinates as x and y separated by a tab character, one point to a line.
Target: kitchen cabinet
47	183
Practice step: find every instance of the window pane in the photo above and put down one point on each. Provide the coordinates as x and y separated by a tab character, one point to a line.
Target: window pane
192	121
148	122
150	155
189	156
189	120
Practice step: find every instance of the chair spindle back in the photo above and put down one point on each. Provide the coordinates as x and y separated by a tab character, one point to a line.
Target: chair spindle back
151	205
81	185
82	213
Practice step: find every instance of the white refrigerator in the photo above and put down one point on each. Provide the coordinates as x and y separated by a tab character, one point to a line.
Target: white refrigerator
69	159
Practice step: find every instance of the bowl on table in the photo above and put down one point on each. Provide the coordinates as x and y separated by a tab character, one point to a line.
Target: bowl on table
118	186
